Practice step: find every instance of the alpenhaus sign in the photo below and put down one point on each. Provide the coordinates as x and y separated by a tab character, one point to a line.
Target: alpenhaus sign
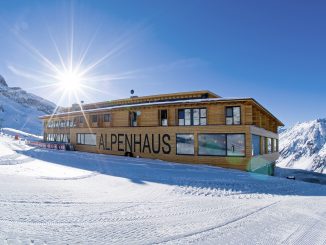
136	143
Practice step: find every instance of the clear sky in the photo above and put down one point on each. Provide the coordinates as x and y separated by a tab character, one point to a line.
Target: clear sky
273	51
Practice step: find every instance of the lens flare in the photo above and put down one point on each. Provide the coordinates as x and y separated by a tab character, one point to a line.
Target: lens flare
70	81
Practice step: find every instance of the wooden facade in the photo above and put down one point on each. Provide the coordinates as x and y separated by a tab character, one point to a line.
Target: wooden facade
159	127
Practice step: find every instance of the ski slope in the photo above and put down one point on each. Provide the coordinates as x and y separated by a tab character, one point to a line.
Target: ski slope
57	197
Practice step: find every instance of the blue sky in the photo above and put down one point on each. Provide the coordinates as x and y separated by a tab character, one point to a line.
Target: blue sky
273	51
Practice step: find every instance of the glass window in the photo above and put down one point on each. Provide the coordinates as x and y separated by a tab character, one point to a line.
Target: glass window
90	139
185	144
236	145
94	118
107	118
269	145
187	117
181	116
80	139
212	144
233	115
263	144
203	120
194	116
133	119
255	145
164	117
236	115
229	111
86	139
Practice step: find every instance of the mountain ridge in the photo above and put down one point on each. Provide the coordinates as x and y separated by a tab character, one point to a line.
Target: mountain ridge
303	146
20	109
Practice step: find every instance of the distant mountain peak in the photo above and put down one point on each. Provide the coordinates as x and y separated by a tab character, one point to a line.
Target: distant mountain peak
304	146
3	82
20	110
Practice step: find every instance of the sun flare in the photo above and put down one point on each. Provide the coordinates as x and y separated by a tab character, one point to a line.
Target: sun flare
70	81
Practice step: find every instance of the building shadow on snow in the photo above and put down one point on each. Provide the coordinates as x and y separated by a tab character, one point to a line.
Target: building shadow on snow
201	177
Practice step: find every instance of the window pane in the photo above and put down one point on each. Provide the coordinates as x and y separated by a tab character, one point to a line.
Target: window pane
269	145
164	117
181	122
203	121
164	122
164	114
107	118
196	116
90	139
236	115
229	120
255	145
236	145
263	149
94	118
274	145
212	144
181	114
229	111
188	117
185	144
202	112
196	121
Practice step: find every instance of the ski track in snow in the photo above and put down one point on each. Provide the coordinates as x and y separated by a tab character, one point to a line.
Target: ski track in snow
57	197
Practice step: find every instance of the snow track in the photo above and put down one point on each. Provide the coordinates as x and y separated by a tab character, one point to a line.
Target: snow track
57	197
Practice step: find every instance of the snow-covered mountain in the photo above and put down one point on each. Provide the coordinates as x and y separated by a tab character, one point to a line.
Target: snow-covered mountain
20	110
304	146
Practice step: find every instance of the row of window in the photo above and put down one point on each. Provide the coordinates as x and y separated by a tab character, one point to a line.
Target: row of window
196	116
212	144
208	144
263	145
186	117
79	120
63	138
61	124
106	118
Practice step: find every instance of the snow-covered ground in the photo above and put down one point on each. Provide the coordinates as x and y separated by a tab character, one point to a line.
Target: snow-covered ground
57	197
20	134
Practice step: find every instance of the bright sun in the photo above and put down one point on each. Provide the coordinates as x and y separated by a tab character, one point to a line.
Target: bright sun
70	81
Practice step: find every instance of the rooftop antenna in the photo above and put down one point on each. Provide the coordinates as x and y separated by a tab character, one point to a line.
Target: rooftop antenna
132	94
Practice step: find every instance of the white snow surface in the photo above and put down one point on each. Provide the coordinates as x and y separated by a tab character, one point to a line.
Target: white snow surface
21	134
58	197
304	146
